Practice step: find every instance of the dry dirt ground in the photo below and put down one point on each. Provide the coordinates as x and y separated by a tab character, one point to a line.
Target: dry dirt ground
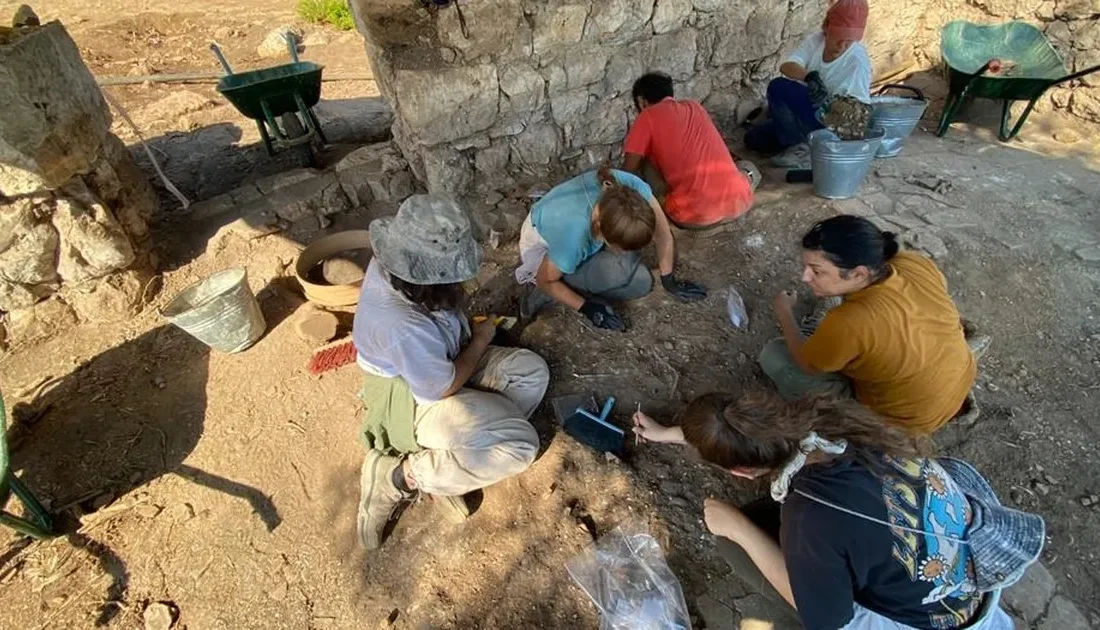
226	485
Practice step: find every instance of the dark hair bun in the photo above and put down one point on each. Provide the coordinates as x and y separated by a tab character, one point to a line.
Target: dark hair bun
889	245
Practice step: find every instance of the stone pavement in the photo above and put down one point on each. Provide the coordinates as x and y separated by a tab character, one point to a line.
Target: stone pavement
1033	602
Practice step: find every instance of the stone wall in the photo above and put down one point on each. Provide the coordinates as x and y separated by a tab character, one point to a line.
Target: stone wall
73	204
542	87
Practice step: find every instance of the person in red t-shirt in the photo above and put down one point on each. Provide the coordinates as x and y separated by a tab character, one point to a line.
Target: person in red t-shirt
678	139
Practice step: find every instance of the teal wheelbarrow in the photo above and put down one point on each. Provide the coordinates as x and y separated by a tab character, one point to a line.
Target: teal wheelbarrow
1010	62
280	100
35	522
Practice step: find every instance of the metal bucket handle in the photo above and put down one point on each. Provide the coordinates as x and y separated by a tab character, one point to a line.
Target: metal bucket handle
898	86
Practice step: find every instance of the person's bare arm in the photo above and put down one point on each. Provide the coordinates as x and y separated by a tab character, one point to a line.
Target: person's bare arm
726	520
466	363
793	70
650	430
632	162
666	245
791	334
549	280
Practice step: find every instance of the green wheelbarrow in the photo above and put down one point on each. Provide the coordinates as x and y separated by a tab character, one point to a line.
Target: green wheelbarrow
280	100
36	521
1011	62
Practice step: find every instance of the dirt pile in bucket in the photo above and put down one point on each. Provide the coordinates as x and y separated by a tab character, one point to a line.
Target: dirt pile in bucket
848	117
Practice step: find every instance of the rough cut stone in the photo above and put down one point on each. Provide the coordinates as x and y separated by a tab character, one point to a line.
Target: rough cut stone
490	23
445	105
92	243
1089	254
38	322
567	107
115	298
274	42
523	88
55	119
446	171
374	172
1063	615
670	14
27	248
715	614
674	53
585	66
537	145
752	35
1029	596
617	20
951	219
558	27
924	240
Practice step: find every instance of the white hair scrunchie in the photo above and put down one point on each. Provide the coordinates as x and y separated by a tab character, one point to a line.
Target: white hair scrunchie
812	442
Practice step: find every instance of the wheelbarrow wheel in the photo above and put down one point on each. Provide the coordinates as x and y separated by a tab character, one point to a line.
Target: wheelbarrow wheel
303	153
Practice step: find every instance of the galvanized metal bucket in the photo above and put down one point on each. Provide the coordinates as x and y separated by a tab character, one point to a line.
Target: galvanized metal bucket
219	311
839	166
897	116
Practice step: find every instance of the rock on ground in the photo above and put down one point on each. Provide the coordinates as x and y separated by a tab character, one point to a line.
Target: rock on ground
1029	596
274	43
157	616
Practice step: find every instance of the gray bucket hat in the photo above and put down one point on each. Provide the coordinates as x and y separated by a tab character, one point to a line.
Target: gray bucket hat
428	242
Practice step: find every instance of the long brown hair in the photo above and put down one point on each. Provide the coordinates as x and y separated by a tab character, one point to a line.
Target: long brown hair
761	430
626	218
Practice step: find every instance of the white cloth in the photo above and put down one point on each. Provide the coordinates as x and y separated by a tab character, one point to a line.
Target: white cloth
395	337
810	443
532	249
479	436
847	75
990	617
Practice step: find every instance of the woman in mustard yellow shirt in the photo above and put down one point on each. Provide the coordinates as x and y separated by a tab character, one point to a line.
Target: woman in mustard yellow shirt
895	341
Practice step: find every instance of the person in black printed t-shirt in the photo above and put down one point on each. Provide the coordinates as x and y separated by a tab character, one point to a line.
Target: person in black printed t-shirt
863	531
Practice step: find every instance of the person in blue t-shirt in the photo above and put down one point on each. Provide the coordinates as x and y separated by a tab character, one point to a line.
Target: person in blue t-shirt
861	531
579	247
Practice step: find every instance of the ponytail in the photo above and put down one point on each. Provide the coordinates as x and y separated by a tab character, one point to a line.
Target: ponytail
889	245
849	241
606	177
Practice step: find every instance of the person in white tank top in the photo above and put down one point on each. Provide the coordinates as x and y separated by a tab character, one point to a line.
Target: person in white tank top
831	62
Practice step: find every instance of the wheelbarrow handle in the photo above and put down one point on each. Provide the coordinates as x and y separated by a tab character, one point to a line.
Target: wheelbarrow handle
214	48
291	45
1076	75
899	86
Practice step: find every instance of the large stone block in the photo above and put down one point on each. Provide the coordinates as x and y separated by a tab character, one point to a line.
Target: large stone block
558	27
491	25
114	298
376	172
28	247
442	105
669	15
54	119
522	89
751	32
618	20
536	146
569	106
446	171
92	243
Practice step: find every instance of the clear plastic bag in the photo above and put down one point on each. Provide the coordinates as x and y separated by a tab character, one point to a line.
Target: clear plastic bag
735	308
626	576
